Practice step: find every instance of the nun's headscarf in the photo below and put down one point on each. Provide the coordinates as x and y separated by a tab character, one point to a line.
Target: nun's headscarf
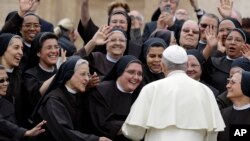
36	46
151	42
163	34
245	83
64	73
121	31
241	62
233	20
245	35
5	40
120	67
197	55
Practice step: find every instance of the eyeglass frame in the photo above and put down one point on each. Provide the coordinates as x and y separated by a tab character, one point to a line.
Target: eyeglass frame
4	79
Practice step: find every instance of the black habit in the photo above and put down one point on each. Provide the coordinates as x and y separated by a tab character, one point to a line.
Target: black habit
9	131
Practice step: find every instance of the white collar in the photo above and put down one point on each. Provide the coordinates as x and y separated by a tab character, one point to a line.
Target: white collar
27	44
119	87
10	70
109	58
242	107
203	42
70	90
47	70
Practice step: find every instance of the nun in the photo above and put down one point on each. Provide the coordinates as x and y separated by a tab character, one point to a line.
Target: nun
10	131
151	59
41	67
238	88
115	41
195	67
109	103
61	104
217	68
238	65
11	53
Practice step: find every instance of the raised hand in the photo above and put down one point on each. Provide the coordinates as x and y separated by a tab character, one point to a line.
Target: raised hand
94	81
225	8
211	36
164	21
245	50
101	36
194	4
220	46
25	6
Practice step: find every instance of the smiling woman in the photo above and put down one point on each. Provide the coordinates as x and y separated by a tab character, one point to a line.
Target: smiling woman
40	68
62	106
10	55
115	41
109	102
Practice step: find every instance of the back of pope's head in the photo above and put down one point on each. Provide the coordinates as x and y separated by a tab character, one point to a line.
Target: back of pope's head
175	54
174	57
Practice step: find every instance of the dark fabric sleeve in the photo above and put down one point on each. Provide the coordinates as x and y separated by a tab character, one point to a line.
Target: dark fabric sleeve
102	117
10	130
88	32
223	101
59	122
146	32
13	25
46	26
32	85
82	53
135	34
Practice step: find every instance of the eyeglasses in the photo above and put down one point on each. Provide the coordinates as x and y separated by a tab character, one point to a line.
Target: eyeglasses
86	74
194	65
231	81
203	25
171	1
29	26
134	73
193	31
2	80
236	40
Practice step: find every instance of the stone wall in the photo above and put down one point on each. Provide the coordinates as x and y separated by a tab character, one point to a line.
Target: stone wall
54	10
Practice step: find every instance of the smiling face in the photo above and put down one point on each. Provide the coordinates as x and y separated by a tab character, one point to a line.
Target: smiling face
193	68
49	53
116	44
131	77
153	59
30	28
5	83
233	44
13	54
234	86
119	21
80	78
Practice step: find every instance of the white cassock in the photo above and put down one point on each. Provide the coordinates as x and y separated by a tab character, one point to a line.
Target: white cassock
176	108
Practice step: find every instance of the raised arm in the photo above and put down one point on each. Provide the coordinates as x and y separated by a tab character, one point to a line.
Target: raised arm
85	13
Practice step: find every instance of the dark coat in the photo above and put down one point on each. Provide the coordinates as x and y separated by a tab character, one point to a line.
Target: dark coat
9	131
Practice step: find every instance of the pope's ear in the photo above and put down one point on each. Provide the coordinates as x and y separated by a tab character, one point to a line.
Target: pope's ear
38	54
162	66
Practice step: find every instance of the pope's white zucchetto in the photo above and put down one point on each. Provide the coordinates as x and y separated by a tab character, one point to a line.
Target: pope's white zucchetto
175	54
